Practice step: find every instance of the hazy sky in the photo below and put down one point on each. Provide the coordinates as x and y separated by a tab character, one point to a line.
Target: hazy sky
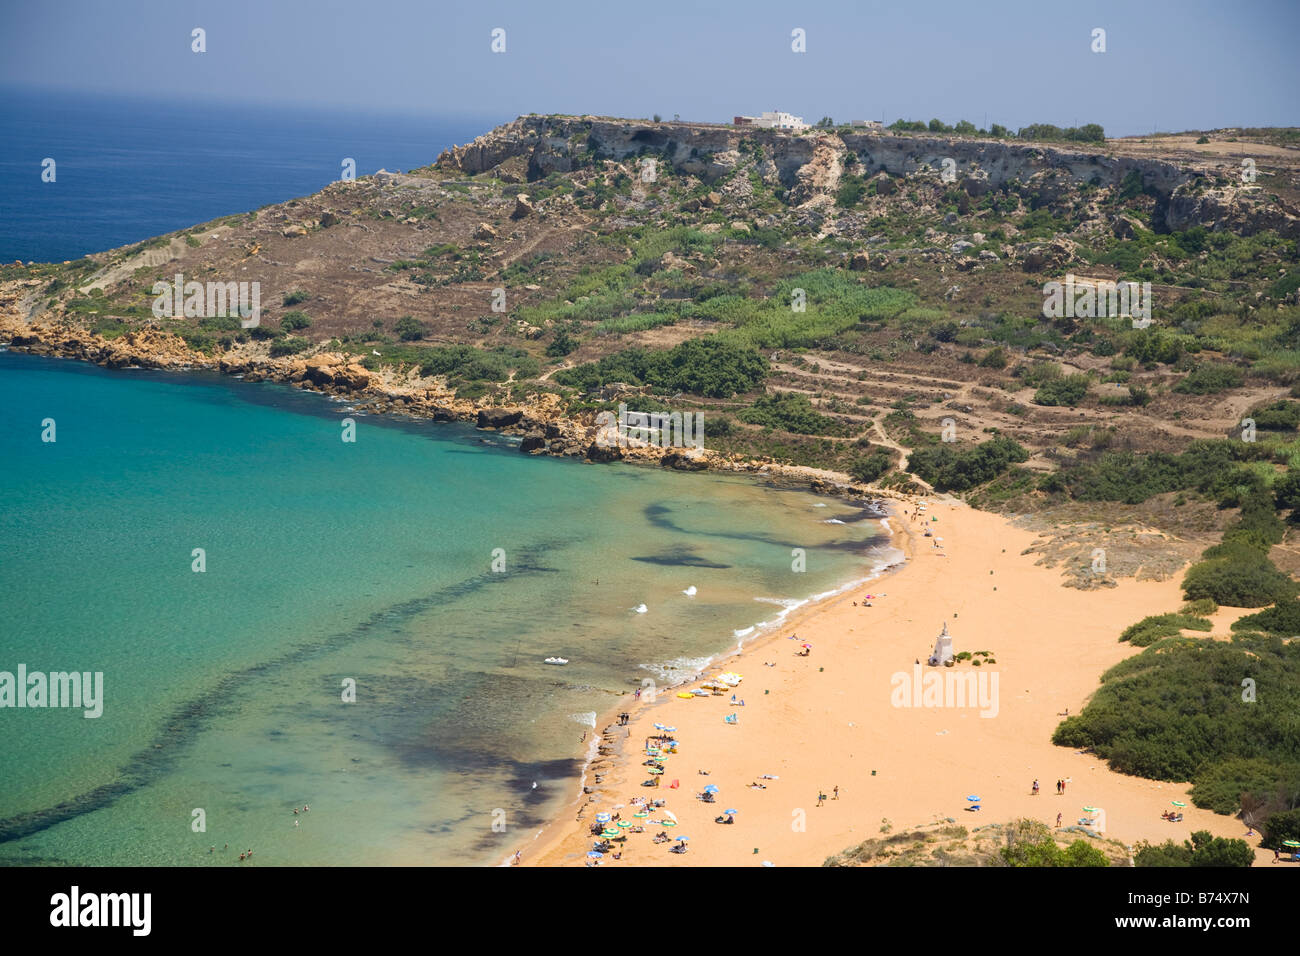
1175	64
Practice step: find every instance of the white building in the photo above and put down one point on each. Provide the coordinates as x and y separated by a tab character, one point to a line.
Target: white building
867	124
773	119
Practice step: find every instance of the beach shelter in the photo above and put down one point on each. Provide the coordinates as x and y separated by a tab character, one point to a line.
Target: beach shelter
942	649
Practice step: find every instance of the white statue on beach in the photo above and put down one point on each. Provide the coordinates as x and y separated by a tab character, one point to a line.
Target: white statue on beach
942	649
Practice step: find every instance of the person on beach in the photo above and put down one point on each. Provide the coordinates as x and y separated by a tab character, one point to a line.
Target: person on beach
1035	788
820	798
835	790
1058	821
515	861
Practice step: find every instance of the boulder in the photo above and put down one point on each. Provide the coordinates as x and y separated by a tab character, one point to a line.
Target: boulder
682	462
523	207
328	219
498	417
485	232
533	442
859	262
602	453
293	231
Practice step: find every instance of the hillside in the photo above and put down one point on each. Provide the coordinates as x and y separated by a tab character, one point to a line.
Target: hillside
862	297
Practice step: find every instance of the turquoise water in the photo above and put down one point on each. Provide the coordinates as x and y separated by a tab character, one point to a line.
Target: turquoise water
329	561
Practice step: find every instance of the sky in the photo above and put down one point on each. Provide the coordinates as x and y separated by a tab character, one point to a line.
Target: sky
1168	65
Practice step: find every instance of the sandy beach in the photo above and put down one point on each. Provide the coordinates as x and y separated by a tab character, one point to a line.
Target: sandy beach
837	718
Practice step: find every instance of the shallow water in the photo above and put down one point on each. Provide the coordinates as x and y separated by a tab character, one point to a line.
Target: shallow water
328	561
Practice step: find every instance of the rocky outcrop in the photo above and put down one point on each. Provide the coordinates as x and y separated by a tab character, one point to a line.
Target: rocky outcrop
499	417
810	164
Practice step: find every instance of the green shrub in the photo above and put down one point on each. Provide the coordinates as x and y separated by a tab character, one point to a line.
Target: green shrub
1157	627
1281	826
1174	710
464	363
1281	415
1282	619
1222	786
294	321
1238	581
1069	390
950	470
295	297
1209	379
290	345
409	329
1203	849
708	366
791	412
869	468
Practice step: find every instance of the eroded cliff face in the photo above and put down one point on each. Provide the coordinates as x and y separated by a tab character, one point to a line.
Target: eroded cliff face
811	164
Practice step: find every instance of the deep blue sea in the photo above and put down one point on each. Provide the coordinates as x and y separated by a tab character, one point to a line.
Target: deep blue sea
127	169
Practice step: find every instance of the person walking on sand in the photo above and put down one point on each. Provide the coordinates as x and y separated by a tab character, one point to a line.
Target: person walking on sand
835	790
1058	821
1035	788
820	798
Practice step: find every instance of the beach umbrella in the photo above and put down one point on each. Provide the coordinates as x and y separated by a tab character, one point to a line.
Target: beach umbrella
1178	803
659	726
624	823
609	832
1291	842
595	853
730	811
768	863
973	799
656	770
711	788
671	730
1089	809
683	839
603	817
641	814
668	823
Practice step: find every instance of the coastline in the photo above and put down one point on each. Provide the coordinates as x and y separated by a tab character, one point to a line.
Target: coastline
828	720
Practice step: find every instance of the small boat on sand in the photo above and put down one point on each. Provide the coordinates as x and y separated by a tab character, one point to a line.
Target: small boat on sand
557	660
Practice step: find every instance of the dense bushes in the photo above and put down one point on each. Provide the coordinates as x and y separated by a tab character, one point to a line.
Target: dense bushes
409	329
705	366
950	470
1221	786
1282	619
1205	466
1203	849
1244	579
868	468
291	345
294	321
1151	629
1176	710
1069	390
466	363
791	412
1208	379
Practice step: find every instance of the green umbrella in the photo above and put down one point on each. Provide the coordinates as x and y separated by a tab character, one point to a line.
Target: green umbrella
1090	809
624	823
656	770
1291	842
610	832
1178	803
642	814
667	823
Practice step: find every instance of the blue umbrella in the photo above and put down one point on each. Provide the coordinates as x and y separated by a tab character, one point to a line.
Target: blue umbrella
683	839
973	799
594	853
730	811
659	726
603	818
711	789
671	730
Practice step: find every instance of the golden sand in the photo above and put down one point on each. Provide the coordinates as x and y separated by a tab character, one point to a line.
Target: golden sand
830	719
